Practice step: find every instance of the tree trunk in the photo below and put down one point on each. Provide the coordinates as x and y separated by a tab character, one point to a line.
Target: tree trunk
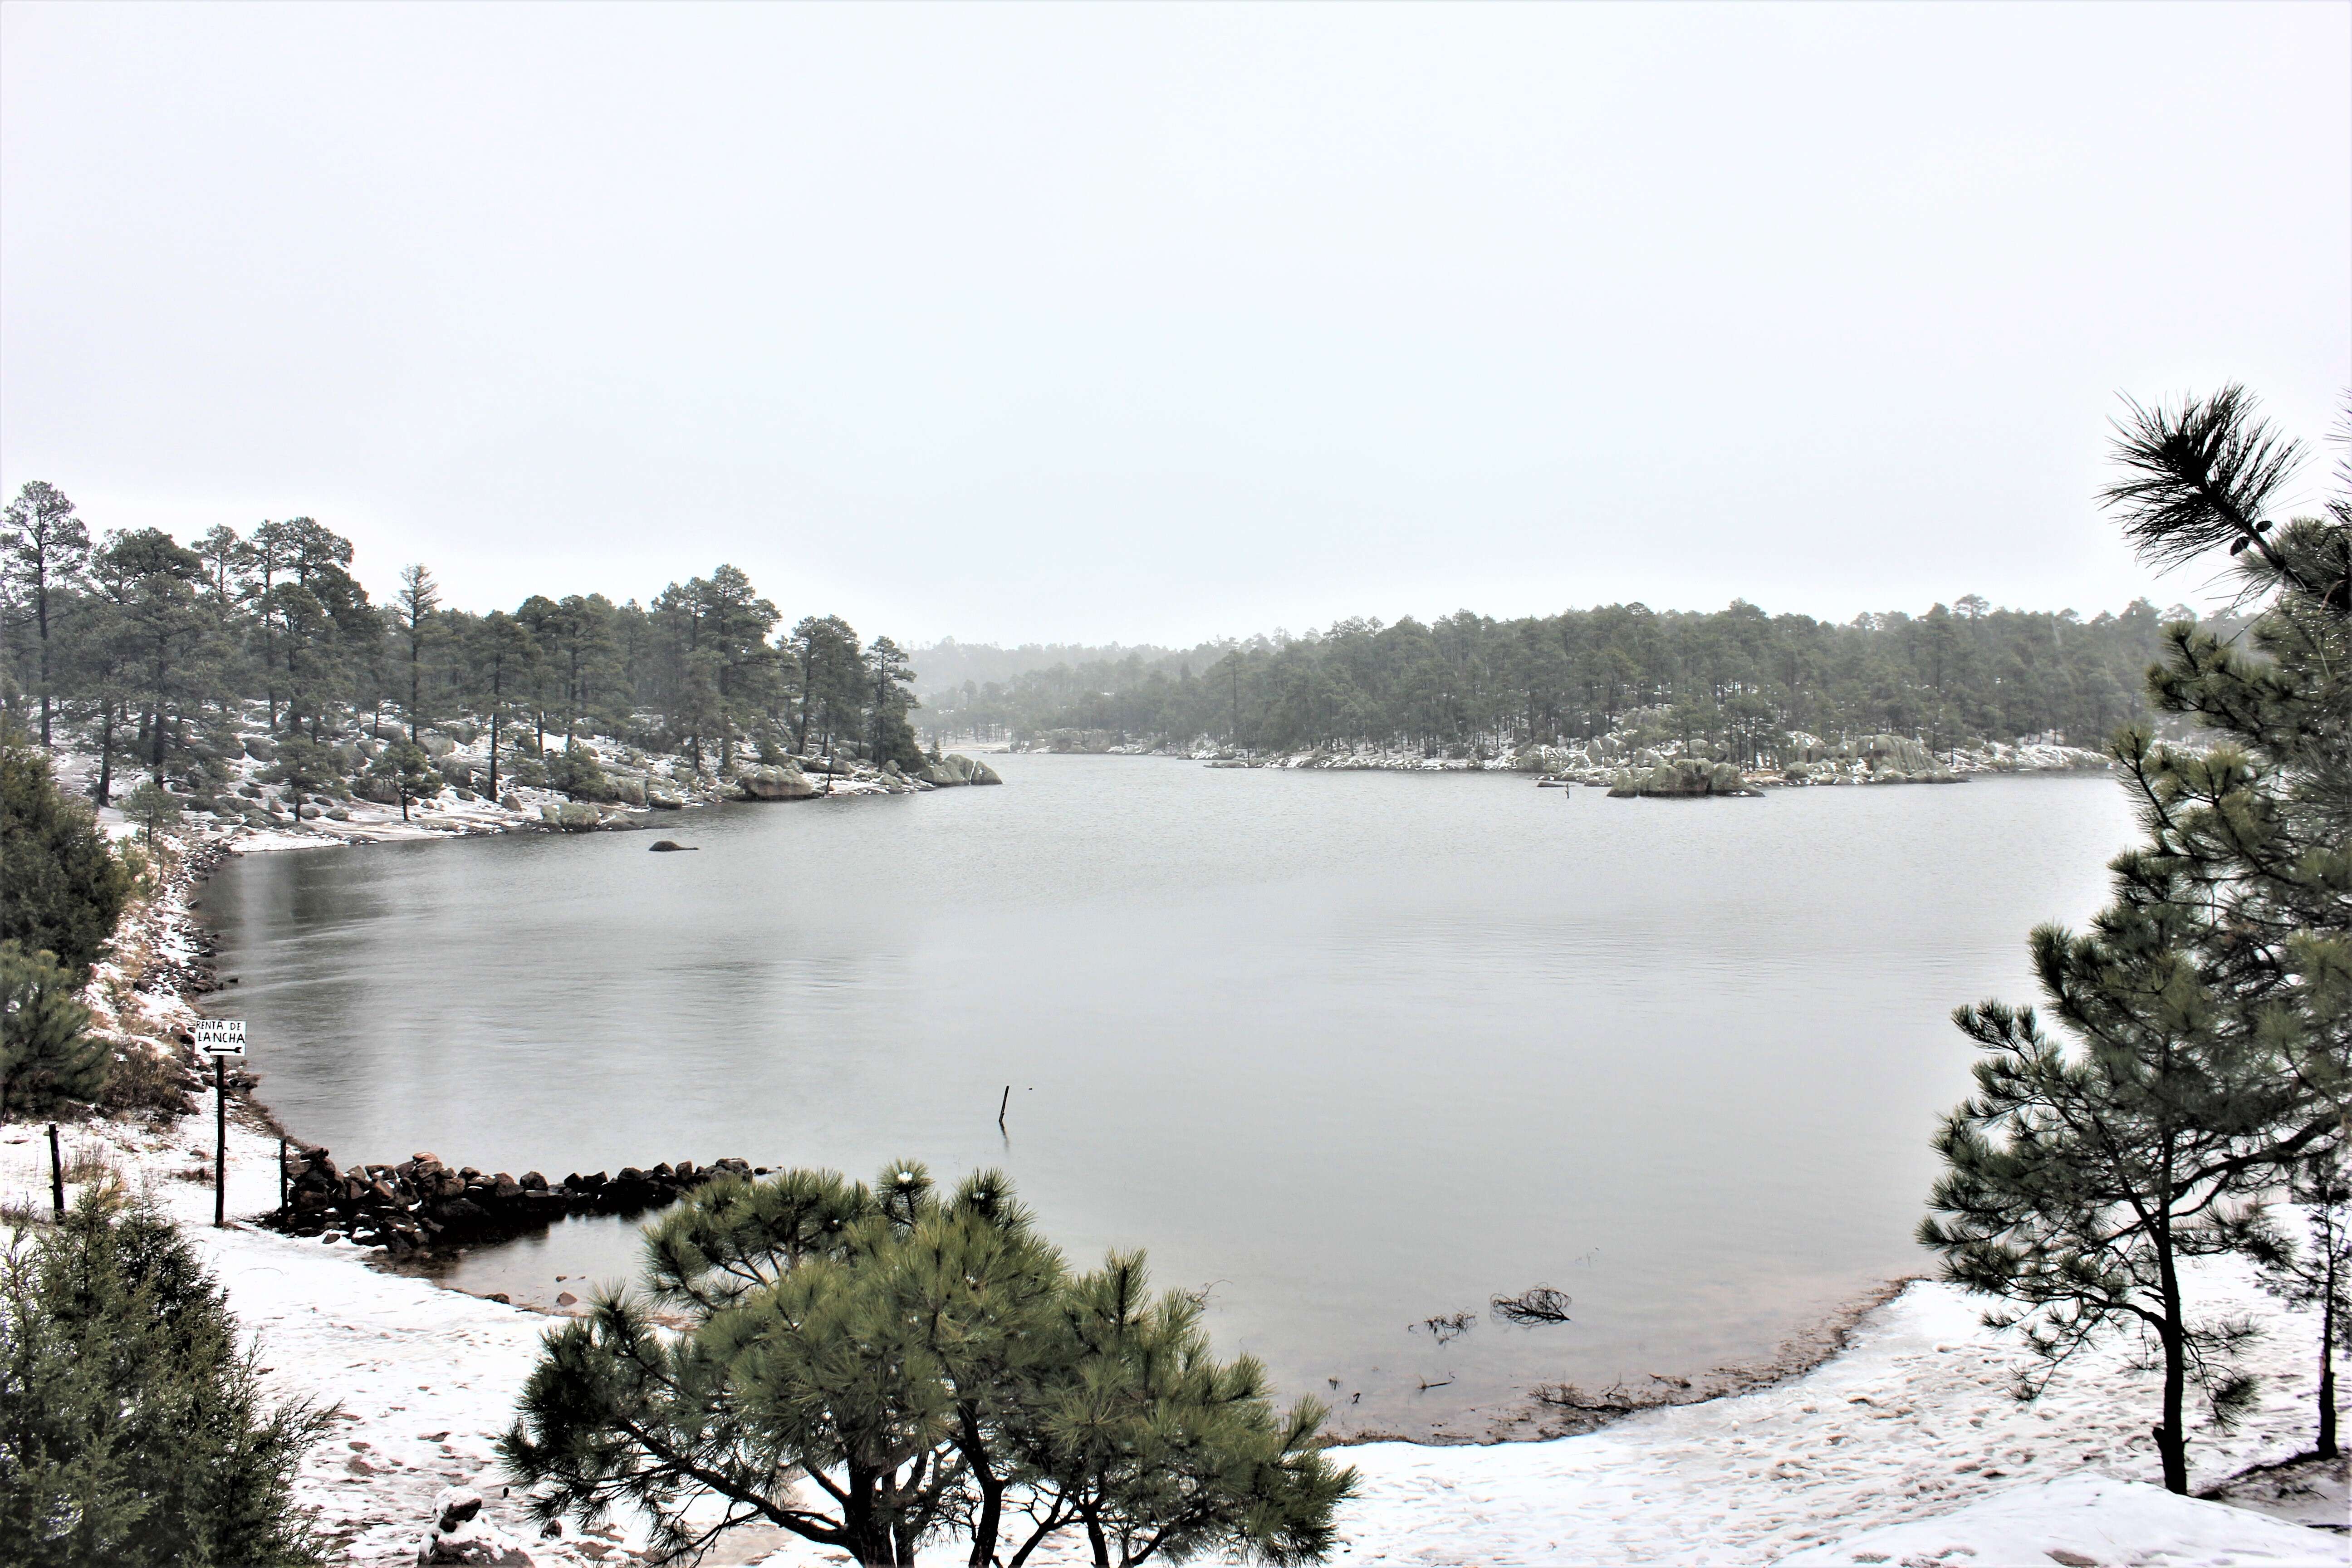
41	604
2172	1437
106	753
494	747
2326	1449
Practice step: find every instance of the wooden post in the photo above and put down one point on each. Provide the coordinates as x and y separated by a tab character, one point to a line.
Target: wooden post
1001	1105
56	1174
282	1176
220	1143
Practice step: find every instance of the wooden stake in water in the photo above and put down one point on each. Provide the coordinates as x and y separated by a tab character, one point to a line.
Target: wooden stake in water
1001	1105
282	1176
56	1174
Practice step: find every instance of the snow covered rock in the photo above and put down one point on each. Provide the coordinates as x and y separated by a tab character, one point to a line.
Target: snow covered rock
2085	1519
773	783
460	1536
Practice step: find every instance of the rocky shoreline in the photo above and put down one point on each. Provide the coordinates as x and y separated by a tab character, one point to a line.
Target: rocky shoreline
163	961
1637	762
422	1205
262	792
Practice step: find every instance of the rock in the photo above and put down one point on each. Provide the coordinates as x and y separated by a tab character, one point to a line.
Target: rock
976	773
629	791
261	748
577	816
566	1299
785	782
460	1536
510	801
671	847
311	812
550	813
436	745
662	800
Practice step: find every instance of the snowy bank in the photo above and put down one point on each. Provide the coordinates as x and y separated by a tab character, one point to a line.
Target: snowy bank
2083	1520
1912	1422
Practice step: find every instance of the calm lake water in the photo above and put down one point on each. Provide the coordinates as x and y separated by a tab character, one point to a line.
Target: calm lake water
1352	1049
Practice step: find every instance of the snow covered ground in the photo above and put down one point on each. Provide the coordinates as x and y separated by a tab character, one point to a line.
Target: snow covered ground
1871	1451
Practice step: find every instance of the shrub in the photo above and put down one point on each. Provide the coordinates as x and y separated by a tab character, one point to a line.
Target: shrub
577	773
133	1427
305	764
46	1052
61	887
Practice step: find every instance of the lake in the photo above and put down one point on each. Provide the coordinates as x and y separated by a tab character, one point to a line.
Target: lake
1351	1051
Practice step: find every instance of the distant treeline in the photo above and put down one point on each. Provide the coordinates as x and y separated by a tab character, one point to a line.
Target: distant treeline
1739	677
137	645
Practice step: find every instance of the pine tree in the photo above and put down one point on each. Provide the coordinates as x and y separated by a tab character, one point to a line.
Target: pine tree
61	887
2316	1274
869	1367
2079	1182
43	549
406	770
133	1427
151	806
2262	819
45	1056
2210	1001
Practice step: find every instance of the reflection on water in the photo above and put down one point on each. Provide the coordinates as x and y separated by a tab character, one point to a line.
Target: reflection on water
1352	1049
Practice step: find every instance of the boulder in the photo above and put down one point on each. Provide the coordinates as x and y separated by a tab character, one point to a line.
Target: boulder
671	847
783	783
510	801
840	767
261	748
974	773
461	1536
662	800
629	791
311	812
436	745
577	816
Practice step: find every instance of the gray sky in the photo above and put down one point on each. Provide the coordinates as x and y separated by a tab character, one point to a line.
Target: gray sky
1155	323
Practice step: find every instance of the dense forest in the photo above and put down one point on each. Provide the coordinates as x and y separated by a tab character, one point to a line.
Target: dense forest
134	646
137	648
1737	677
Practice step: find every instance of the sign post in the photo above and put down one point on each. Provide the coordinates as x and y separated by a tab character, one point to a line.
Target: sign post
221	1039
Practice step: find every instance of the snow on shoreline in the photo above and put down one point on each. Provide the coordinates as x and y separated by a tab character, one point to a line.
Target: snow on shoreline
1909	1423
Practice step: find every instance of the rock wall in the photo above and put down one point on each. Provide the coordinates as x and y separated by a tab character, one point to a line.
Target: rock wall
421	1203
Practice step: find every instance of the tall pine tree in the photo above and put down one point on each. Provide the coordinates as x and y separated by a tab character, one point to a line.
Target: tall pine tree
2209	1002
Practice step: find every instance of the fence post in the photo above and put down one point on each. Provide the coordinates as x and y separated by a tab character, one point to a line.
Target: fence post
56	1174
220	1144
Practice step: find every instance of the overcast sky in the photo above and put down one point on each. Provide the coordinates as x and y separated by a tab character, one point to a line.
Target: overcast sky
1119	322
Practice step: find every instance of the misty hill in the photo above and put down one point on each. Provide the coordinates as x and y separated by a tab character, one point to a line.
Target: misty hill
945	666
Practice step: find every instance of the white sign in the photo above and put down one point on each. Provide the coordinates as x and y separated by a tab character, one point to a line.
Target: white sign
220	1037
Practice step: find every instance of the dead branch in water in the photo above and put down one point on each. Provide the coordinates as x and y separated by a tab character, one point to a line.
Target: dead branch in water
1540	1305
